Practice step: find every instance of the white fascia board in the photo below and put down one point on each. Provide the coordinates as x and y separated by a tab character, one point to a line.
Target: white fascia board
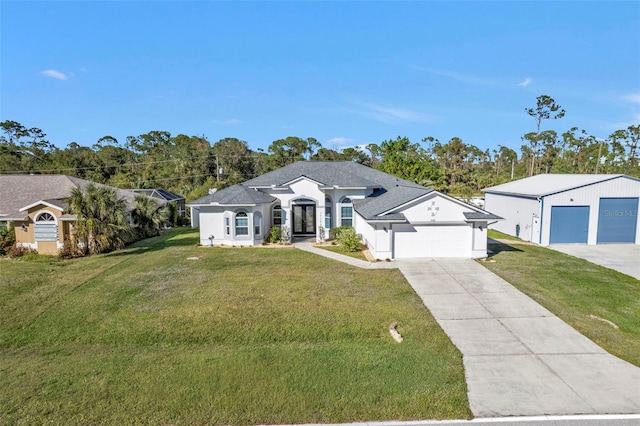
43	203
8	218
273	187
222	205
386	221
443	223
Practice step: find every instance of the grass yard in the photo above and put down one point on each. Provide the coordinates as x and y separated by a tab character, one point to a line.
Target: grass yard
575	289
238	336
340	250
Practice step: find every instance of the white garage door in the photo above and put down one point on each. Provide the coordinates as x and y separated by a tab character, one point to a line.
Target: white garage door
431	241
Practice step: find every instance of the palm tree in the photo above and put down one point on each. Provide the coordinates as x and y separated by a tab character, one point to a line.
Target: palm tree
148	216
101	223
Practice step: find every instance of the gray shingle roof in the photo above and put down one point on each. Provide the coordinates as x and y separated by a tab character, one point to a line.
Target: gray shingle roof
481	216
159	193
387	199
346	174
17	191
236	195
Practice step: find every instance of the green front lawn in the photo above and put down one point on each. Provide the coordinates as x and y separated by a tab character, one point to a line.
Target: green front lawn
575	289
237	336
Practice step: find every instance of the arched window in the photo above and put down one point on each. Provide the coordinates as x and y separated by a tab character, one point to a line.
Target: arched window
257	224
277	215
346	212
46	228
327	213
46	217
242	223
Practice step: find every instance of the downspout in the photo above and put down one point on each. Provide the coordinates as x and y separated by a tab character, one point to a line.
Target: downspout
541	201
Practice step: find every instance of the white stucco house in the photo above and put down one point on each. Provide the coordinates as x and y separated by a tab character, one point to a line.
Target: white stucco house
395	218
568	208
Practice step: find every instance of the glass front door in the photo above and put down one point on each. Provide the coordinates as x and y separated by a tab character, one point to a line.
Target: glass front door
304	219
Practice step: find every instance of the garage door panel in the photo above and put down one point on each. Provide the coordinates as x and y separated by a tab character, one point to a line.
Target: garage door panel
569	224
431	241
617	220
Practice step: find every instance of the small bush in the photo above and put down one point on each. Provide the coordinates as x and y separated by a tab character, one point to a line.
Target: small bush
348	239
19	251
274	235
335	232
285	236
7	238
70	250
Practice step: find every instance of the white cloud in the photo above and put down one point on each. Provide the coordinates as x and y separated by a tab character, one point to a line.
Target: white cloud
84	69
392	115
54	74
225	122
527	81
464	78
632	97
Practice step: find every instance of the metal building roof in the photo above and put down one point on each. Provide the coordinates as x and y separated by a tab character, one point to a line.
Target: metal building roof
547	184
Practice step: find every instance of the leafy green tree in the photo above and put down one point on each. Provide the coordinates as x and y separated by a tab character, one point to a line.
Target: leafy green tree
292	149
400	157
234	160
629	138
149	216
545	109
101	223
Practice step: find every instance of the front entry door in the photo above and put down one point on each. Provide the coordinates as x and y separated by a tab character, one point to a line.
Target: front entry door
304	219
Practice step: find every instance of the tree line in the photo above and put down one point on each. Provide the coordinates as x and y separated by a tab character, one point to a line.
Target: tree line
191	165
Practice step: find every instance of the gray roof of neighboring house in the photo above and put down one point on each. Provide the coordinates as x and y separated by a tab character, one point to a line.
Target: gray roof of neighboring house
345	174
547	184
235	195
18	191
160	193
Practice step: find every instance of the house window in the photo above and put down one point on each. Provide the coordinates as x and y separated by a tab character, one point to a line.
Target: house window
46	228
227	226
242	224
346	212
277	215
257	224
327	213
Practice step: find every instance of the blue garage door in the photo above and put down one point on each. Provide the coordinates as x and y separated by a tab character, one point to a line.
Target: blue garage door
569	224
617	219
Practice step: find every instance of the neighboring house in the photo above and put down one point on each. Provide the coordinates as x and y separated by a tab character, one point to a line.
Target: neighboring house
36	204
164	195
395	218
567	208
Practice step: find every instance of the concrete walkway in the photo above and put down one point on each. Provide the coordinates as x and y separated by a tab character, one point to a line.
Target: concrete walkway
309	247
520	359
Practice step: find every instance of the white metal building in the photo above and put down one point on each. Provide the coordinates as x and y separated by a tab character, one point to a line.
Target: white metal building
566	208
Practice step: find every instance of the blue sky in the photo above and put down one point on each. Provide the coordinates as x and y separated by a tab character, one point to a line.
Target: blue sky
345	73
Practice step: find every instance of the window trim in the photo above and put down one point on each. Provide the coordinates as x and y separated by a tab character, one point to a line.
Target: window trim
275	208
328	212
245	215
257	224
345	203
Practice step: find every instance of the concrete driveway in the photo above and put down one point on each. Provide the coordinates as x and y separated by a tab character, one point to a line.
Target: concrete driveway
519	358
624	258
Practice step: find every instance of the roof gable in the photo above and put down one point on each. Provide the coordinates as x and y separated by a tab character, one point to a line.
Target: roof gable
18	191
340	174
238	194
